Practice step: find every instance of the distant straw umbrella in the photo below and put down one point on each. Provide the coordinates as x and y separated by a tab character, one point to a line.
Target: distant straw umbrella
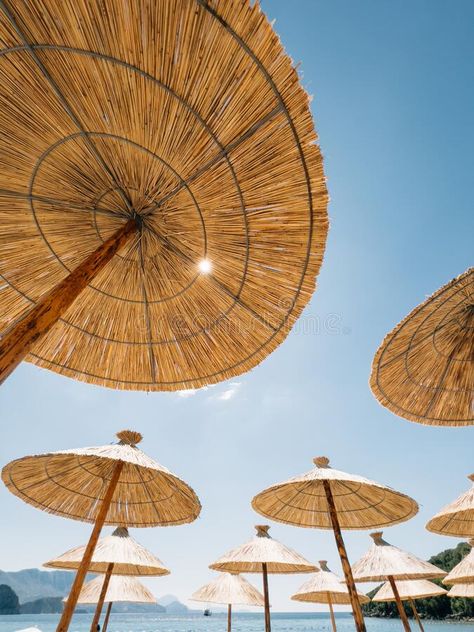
232	590
410	591
463	591
263	555
111	484
462	573
424	369
457	518
163	205
325	498
115	554
119	588
326	587
383	561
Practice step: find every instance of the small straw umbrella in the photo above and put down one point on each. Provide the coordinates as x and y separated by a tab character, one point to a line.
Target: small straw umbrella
424	369
457	518
464	591
120	588
111	484
409	591
163	206
326	587
232	590
263	555
383	561
462	573
325	498
115	554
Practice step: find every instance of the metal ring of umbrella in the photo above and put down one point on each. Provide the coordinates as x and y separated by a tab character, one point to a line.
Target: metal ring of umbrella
163	208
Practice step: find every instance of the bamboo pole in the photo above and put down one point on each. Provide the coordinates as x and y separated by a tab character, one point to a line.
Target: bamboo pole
356	608
73	596
267	600
331	612
401	609
229	617
16	343
100	603
107	617
417	616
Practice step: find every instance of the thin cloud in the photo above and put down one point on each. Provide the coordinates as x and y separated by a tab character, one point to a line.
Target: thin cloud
228	393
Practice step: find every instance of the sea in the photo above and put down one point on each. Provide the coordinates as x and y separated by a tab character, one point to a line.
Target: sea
242	622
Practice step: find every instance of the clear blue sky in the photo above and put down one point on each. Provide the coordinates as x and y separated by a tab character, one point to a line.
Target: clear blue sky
393	102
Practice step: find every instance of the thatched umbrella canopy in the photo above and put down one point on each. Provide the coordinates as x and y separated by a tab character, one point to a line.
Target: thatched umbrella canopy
119	588
162	196
111	484
263	555
325	498
457	518
230	589
409	591
465	591
383	561
462	573
326	587
424	369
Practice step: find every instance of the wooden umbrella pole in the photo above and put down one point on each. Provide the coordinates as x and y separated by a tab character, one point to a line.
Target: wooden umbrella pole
100	603
346	567
268	626
229	617
17	341
107	617
73	596
417	616
331	612
401	609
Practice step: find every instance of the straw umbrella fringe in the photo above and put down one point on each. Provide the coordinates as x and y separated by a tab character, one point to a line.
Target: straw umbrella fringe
326	587
263	555
109	484
464	591
325	498
457	518
462	573
384	561
229	589
127	165
424	368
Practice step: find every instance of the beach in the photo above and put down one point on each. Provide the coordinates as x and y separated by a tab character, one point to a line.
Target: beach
242	622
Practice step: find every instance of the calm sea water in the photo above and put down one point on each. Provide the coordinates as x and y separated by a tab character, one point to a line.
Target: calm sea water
217	623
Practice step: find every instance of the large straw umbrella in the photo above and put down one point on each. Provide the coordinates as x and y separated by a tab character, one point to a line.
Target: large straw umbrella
383	561
409	591
163	207
115	554
119	588
232	590
424	369
457	518
326	587
462	573
111	484
325	498
263	555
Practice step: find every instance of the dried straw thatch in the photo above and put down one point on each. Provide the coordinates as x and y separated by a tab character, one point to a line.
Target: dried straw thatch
120	588
326	587
383	560
462	573
424	369
457	518
263	549
360	503
462	590
229	588
407	590
120	549
71	483
188	118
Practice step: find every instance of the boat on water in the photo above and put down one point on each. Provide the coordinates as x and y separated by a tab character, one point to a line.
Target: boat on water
207	612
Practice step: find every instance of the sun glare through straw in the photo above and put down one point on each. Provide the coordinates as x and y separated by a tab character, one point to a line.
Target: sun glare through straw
205	266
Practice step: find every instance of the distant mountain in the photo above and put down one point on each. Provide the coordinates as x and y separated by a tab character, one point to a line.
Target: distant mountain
45	605
173	605
167	599
31	584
